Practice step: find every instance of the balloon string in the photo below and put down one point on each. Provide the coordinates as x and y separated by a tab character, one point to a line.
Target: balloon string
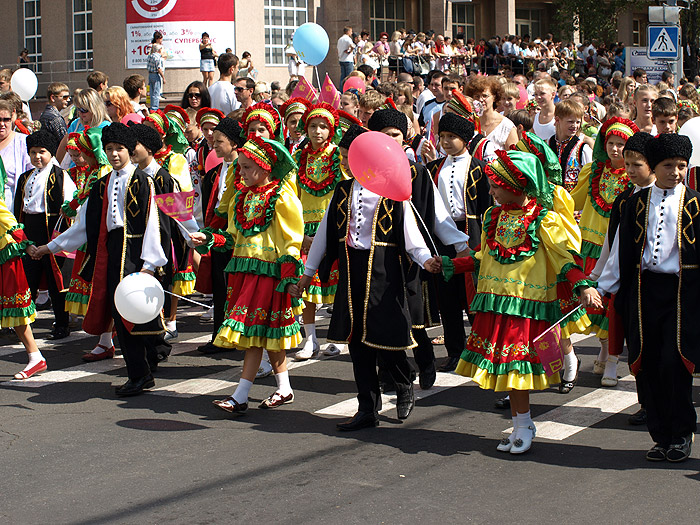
425	228
318	80
207	306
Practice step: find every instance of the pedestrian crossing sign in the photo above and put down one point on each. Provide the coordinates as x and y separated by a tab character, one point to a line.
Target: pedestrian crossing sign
664	42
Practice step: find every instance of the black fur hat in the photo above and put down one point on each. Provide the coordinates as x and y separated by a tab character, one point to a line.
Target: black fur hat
638	142
460	126
388	118
232	129
148	137
42	139
668	146
119	133
351	134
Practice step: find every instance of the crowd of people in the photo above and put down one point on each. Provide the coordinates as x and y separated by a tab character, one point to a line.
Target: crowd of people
538	200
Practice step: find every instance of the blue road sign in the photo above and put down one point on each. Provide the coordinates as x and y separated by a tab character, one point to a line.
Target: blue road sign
663	42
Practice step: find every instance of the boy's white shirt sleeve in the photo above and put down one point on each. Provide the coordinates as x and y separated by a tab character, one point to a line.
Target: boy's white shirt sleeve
74	237
318	248
415	244
152	253
609	281
445	228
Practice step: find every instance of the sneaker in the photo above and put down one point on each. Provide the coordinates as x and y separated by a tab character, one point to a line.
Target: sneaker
308	351
333	350
264	370
208	315
169	335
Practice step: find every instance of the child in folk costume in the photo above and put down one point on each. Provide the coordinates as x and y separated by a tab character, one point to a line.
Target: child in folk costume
265	229
291	112
38	199
119	222
522	241
599	184
563	205
86	149
370	311
217	190
171	125
319	173
207	119
654	269
17	310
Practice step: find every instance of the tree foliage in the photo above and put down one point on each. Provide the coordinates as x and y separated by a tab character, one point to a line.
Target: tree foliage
593	19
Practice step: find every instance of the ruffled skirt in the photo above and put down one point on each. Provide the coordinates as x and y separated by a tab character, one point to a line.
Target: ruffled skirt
16	306
257	315
79	290
320	292
499	355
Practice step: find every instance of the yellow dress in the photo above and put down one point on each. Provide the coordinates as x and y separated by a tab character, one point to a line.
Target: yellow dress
524	254
265	230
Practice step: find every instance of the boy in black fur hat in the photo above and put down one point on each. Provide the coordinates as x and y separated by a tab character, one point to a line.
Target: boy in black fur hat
654	266
464	188
40	194
120	223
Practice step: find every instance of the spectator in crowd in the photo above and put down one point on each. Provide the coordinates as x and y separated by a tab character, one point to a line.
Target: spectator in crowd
58	98
244	89
222	93
156	74
98	81
135	87
346	48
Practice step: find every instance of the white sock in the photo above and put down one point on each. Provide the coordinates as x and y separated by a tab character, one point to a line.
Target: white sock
283	385
106	341
524	420
171	326
42	297
310	332
603	354
611	366
570	366
34	358
516	422
241	393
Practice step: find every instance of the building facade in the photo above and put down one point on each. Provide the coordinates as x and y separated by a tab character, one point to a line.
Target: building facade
68	38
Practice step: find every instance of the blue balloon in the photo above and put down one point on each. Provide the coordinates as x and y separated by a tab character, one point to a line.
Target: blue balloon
311	43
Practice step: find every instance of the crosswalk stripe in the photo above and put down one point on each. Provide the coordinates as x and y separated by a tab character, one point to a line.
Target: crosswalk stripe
585	411
443	381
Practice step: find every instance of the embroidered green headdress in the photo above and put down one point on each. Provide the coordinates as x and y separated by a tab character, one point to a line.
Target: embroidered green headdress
521	173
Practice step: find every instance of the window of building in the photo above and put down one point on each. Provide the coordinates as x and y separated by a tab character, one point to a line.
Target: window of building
82	35
528	22
32	31
282	17
386	16
636	33
463	21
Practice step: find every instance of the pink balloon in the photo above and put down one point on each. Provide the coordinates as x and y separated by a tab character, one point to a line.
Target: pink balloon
354	82
380	165
131	117
523	98
211	162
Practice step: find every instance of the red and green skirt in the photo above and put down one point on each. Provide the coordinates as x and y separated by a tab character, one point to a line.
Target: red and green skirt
16	306
320	292
499	355
576	323
184	280
79	290
257	315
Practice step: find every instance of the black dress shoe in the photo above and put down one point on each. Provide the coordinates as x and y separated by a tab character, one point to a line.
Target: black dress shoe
638	418
59	332
359	421
502	403
209	348
136	386
426	378
405	400
449	364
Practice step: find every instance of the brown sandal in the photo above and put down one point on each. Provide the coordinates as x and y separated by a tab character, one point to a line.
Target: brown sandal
231	406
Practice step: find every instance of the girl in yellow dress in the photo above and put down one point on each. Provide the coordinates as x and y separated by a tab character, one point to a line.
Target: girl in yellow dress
265	230
523	254
318	175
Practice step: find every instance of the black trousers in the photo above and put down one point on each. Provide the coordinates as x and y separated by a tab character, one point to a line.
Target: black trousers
364	358
133	347
35	229
665	381
452	302
219	260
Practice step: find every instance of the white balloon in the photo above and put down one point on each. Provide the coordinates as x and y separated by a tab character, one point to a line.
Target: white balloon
139	298
691	129
24	83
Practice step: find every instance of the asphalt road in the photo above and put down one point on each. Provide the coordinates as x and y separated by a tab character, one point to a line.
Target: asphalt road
72	452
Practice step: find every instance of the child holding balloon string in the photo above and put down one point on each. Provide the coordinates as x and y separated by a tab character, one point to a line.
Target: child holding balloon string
119	222
265	229
319	173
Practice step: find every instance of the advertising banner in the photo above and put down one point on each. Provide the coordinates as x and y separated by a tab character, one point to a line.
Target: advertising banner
182	23
637	58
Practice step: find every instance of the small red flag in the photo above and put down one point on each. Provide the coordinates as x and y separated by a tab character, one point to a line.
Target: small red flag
329	93
305	90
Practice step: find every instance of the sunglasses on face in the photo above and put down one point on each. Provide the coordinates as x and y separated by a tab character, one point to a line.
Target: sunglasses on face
238	89
66	97
5	120
82	110
194	95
